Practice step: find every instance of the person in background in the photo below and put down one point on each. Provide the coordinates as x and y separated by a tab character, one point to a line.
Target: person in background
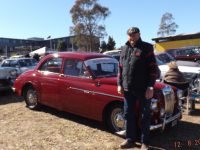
173	74
36	57
137	74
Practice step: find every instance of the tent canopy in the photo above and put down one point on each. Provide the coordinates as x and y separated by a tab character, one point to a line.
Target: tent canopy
42	51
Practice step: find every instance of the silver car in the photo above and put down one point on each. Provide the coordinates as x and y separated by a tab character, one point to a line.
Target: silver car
7	77
13	67
191	70
20	64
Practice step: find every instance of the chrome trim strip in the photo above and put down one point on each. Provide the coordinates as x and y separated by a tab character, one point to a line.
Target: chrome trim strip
153	127
93	92
168	94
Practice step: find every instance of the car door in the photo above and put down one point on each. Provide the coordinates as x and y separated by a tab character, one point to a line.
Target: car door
48	76
76	91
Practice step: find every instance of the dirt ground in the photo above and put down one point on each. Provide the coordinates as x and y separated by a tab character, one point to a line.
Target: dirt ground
49	129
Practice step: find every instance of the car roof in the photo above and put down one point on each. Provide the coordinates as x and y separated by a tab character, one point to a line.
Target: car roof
116	51
79	55
158	53
21	58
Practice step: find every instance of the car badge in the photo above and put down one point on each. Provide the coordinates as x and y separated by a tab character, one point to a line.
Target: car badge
137	53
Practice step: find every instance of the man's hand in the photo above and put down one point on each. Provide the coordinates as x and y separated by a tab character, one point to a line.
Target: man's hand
120	90
149	93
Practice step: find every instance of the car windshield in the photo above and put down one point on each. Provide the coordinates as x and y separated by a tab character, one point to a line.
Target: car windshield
21	63
27	62
159	62
164	58
187	52
103	67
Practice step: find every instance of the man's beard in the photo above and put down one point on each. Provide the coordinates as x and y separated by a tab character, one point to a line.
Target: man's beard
132	43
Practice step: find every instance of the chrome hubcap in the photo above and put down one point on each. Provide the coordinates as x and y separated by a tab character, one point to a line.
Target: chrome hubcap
117	119
31	97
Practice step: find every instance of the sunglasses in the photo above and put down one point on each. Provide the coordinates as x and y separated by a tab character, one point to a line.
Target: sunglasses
133	34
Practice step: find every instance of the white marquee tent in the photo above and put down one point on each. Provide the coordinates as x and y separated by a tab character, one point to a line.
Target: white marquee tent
41	51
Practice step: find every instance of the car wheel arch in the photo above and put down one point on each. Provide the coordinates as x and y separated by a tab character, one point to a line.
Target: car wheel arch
30	87
25	87
107	110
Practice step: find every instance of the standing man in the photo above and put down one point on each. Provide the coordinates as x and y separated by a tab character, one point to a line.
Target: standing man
136	78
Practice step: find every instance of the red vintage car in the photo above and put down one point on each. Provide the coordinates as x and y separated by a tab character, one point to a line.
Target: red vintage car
86	84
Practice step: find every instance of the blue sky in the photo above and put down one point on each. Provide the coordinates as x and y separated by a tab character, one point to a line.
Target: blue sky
40	18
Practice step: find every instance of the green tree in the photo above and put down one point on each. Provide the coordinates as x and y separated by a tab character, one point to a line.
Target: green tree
103	47
111	43
87	17
167	25
61	46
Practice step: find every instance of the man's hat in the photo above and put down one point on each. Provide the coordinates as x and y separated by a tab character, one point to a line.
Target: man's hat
133	30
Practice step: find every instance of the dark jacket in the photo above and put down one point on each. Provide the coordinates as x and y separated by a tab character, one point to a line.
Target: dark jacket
137	67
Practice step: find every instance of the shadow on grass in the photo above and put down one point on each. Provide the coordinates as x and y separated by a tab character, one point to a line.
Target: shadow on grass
184	136
7	97
75	118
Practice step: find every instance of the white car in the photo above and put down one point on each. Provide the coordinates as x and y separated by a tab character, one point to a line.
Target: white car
191	71
7	77
20	64
114	53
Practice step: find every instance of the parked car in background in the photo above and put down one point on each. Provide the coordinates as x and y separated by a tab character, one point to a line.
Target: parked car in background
2	58
86	84
7	77
20	64
190	70
114	53
166	58
187	53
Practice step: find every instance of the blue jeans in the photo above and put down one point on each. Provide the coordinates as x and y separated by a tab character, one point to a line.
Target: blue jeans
135	115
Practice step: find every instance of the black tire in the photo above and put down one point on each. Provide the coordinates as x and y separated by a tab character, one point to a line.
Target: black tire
31	98
114	118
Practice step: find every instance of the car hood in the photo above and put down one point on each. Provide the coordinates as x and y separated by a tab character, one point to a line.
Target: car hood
109	80
187	63
113	81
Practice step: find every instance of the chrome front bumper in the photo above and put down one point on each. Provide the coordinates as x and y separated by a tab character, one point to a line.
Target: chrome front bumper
166	121
153	127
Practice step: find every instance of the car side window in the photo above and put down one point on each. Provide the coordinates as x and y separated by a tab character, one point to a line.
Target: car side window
6	64
70	67
14	63
10	63
52	65
74	67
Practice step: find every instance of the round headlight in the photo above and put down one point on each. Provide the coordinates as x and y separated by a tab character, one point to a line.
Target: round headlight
179	93
154	104
13	73
162	112
197	84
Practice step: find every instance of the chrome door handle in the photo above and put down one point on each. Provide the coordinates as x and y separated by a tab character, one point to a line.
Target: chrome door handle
61	75
86	91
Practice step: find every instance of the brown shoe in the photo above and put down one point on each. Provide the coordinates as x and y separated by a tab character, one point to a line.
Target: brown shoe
127	144
144	147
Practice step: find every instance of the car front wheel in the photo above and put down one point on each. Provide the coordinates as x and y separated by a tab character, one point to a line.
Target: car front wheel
115	119
31	98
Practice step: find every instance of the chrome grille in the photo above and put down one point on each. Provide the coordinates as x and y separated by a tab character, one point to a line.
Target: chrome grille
169	98
196	85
